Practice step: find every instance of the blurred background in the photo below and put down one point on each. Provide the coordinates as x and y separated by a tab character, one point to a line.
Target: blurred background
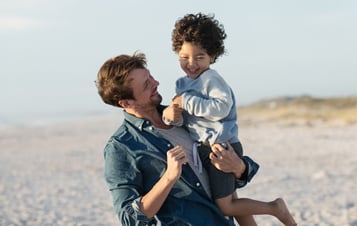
51	50
291	64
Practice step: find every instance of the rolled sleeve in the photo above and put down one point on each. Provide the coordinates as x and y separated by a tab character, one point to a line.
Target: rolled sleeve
251	169
124	181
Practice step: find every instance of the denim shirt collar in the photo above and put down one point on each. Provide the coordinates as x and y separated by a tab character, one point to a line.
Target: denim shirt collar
135	121
140	123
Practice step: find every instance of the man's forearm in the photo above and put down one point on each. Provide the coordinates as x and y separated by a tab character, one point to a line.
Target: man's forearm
154	199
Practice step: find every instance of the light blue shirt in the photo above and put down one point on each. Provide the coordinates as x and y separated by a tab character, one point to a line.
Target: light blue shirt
210	112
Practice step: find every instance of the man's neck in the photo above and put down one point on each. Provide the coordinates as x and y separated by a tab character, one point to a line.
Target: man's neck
150	114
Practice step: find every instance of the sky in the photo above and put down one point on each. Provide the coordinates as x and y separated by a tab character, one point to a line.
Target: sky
51	51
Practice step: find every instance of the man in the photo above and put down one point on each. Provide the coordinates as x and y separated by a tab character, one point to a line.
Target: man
149	166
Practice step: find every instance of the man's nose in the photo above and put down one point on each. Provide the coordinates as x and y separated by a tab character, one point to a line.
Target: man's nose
154	82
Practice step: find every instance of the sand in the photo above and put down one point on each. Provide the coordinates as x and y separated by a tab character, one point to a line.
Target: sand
53	174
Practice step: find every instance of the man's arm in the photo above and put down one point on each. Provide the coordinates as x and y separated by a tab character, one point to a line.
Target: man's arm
154	199
125	180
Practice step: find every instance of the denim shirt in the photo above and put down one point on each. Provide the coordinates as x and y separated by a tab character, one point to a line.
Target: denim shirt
135	159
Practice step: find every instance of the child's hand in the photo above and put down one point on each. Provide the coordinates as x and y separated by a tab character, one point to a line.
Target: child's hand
172	113
177	100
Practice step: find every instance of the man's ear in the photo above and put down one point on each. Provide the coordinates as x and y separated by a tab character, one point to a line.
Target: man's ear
124	103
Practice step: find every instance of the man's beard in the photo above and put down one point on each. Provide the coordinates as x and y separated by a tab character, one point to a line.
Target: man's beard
157	101
152	102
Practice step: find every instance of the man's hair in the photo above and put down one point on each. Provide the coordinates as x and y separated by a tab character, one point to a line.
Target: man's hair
202	30
112	82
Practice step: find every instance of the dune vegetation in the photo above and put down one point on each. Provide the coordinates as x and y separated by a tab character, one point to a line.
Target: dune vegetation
302	110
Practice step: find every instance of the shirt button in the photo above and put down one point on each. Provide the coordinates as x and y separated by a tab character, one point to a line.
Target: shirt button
168	145
198	184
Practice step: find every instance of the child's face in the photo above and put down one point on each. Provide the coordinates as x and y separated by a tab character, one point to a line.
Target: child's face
193	59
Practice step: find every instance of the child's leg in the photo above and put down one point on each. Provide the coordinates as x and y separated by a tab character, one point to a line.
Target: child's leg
231	206
222	184
244	220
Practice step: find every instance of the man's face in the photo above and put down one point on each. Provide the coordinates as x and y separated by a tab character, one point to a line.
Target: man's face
144	88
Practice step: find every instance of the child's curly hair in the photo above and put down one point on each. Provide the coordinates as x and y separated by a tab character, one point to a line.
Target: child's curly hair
202	30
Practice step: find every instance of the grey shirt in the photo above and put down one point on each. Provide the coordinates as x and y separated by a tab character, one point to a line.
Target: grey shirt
179	137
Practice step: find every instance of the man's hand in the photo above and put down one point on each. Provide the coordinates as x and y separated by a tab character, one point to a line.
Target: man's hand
152	201
227	160
176	157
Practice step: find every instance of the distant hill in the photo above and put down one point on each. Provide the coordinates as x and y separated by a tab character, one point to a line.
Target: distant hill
302	110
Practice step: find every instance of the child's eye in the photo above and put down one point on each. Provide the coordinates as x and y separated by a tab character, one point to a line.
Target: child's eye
183	58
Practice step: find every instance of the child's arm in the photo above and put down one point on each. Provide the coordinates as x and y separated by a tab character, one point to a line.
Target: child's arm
214	102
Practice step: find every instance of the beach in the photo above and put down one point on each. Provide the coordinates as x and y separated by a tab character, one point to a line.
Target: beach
53	174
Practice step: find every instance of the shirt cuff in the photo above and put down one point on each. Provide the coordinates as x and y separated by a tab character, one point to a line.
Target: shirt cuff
140	216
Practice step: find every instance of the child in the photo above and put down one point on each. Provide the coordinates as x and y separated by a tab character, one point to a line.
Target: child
205	104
